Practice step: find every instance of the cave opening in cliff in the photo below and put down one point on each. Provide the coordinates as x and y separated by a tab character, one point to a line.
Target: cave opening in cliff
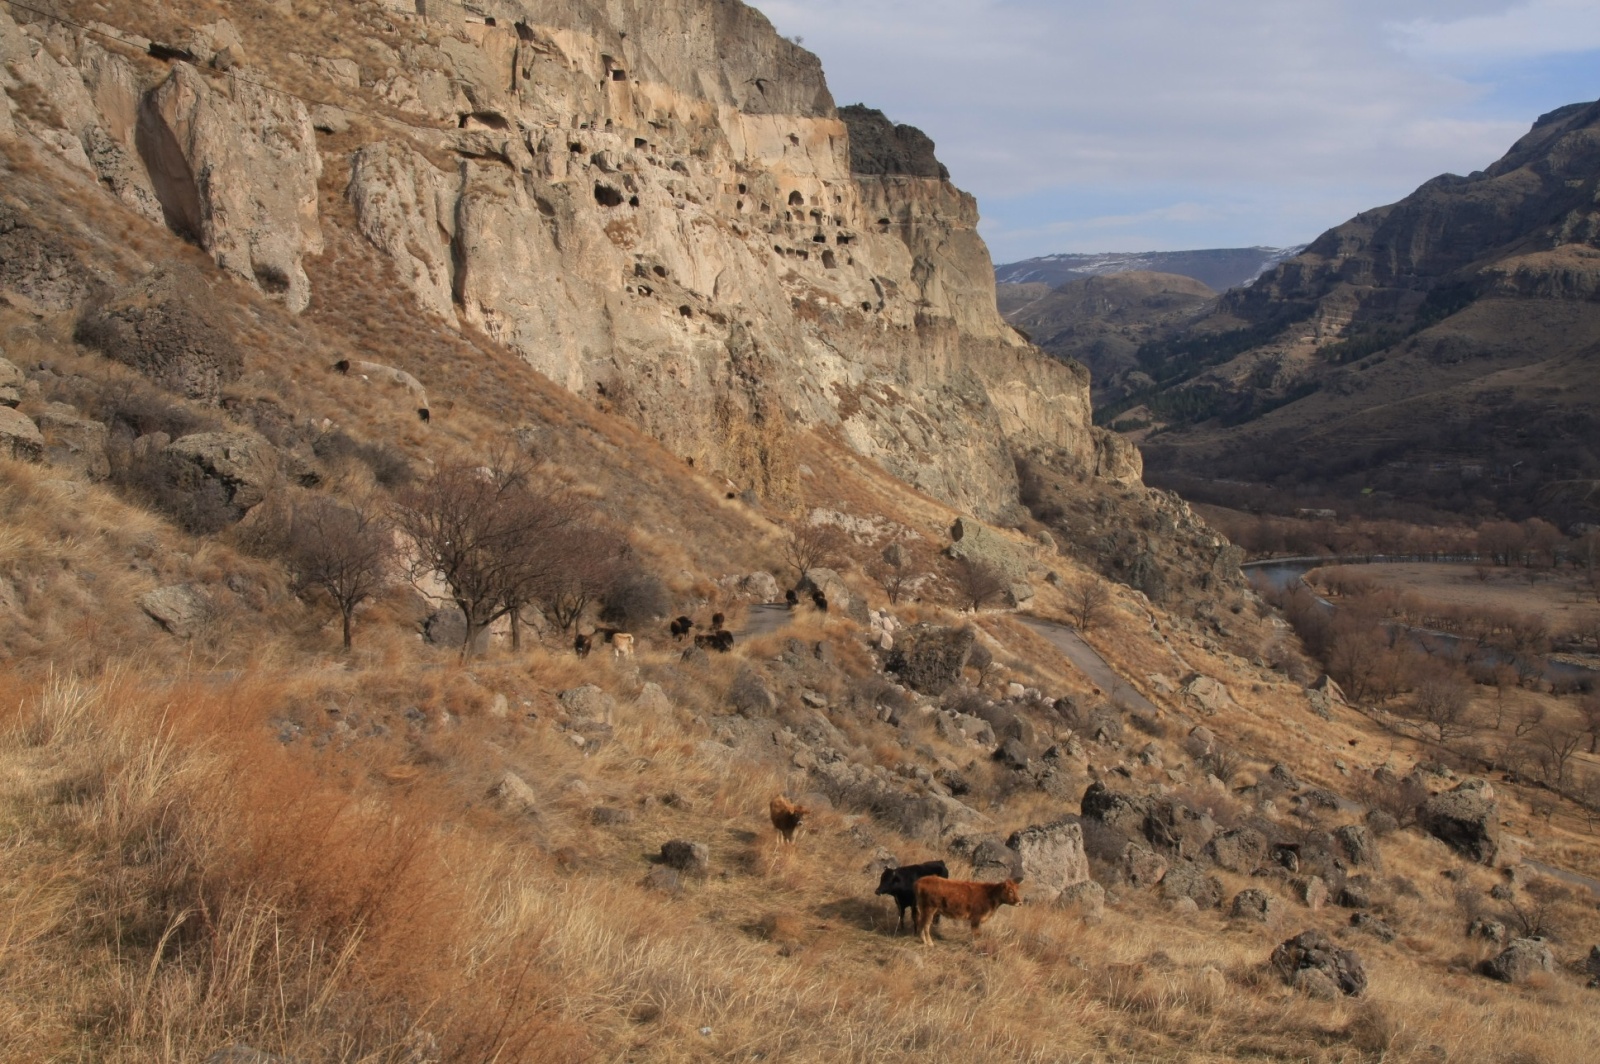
829	261
686	310
619	75
796	199
524	32
607	196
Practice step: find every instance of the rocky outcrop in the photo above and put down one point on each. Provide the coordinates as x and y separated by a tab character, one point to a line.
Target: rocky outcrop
235	169
1520	961
160	328
929	658
19	436
1312	952
656	205
1465	819
1051	858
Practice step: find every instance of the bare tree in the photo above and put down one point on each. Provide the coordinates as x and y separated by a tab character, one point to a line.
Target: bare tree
1589	709
1530	720
594	559
811	546
487	533
893	572
1554	747
1442	699
1087	603
345	552
977	582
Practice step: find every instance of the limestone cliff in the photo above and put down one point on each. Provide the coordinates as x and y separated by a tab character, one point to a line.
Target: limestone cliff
655	202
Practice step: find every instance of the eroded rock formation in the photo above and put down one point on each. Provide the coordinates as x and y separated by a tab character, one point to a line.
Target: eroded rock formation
658	203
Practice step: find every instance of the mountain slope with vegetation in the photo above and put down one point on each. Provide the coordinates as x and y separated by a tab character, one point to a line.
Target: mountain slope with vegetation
365	448
1438	348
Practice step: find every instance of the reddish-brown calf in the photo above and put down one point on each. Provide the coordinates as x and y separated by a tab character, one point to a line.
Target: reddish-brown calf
960	900
786	817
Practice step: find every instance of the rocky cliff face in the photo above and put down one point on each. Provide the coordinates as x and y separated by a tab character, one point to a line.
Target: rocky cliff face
654	202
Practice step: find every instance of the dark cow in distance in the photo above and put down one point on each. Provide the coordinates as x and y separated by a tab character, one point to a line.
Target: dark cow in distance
681	626
791	598
960	900
819	600
901	884
582	645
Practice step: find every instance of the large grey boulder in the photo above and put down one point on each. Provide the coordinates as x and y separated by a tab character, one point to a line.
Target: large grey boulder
513	794
74	443
245	464
1141	866
162	329
11	383
19	436
181	609
1360	846
1520	961
692	858
1123	813
589	703
929	658
1240	850
1312	951
1465	819
1051	858
1252	904
1186	880
972	539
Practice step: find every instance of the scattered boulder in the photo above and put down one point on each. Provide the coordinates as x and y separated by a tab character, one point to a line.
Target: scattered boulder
1088	898
1520	961
11	383
1252	904
1313	951
929	658
589	703
1208	695
1123	813
652	701
750	696
1356	893
513	794
182	609
610	816
1012	755
1487	929
1381	823
19	436
1142	867
448	628
1051	858
1240	850
1465	819
1371	925
243	463
970	539
1311	891
683	855
1185	880
993	859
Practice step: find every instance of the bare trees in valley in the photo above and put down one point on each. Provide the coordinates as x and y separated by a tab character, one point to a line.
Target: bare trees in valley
344	552
496	537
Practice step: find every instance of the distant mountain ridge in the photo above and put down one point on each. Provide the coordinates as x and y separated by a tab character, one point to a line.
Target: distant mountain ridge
1216	268
1442	348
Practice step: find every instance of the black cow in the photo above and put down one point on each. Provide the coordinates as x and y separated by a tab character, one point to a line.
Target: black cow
724	640
819	600
681	627
581	645
901	884
422	413
791	598
716	622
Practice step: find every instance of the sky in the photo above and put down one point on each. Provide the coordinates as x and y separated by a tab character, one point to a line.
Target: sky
1163	125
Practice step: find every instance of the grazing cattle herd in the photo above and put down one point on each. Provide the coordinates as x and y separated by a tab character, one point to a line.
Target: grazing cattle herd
926	889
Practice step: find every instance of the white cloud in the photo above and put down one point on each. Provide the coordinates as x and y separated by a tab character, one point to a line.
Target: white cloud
1525	31
1063	100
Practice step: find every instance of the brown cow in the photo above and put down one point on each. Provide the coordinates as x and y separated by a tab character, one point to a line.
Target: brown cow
960	900
786	817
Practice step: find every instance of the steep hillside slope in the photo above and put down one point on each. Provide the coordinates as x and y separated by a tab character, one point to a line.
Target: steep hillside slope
1102	321
1441	346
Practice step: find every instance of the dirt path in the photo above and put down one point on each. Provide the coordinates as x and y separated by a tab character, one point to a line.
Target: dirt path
1089	662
